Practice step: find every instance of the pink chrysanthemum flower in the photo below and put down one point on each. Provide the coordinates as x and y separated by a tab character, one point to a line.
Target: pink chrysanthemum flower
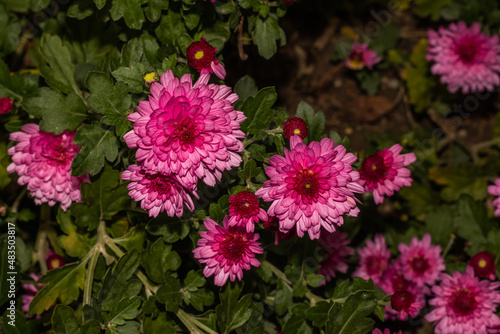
201	56
383	173
311	187
421	262
465	58
157	192
226	251
273	224
43	162
373	259
360	56
495	191
483	264
188	130
245	210
30	293
5	105
463	304
295	126
386	331
336	250
405	303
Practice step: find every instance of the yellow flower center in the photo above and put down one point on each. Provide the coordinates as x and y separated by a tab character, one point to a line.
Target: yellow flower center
356	64
482	263
296	131
199	54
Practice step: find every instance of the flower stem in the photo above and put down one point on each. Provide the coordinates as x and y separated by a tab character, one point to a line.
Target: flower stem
89	275
450	243
193	324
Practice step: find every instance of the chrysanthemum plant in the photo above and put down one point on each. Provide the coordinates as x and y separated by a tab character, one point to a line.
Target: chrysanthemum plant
147	196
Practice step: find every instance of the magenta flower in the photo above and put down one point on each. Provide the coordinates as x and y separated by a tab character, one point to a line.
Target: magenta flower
244	210
421	262
311	187
405	303
336	250
373	259
5	105
383	173
30	292
465	58
157	192
463	304
360	56
54	260
43	162
226	251
201	56
483	264
386	331
495	191
295	126
188	130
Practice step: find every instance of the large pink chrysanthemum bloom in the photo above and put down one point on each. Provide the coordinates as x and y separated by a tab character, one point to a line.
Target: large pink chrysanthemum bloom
43	162
157	192
383	173
360	56
465	58
421	262
245	210
226	251
311	187
188	130
373	259
386	331
336	250
463	304
495	191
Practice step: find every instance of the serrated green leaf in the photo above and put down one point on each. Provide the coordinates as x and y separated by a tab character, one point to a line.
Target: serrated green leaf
20	326
98	144
431	8
55	64
171	230
318	314
472	223
153	260
232	313
80	9
250	171
458	181
351	318
194	281
170	294
159	325
130	10
315	121
62	283
215	212
111	101
171	28
439	224
245	87
283	300
75	244
265	36
64	321
131	76
58	112
420	85
201	298
125	309
258	110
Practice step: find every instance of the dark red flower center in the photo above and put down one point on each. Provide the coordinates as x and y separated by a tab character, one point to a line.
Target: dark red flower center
467	49
463	301
186	131
200	54
159	183
419	264
375	265
399	283
373	168
401	300
295	126
483	264
57	149
244	203
233	246
307	183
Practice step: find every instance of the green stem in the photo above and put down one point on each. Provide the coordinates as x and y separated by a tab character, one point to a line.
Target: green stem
450	243
89	276
187	322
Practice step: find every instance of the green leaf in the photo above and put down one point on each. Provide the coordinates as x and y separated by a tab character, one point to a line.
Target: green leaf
170	294
265	36
131	76
439	223
170	29
157	259
315	121
130	10
283	300
64	320
159	325
125	309
472	223
258	110
351	318
194	281
58	112
370	81
199	299
245	87
55	64
459	181
314	280
62	283
318	314
250	171
19	326
215	212
232	313
431	8
75	244
420	85
81	9
117	283
171	230
111	101
98	144
4	162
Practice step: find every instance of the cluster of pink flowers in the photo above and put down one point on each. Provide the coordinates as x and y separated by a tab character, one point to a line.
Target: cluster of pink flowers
43	162
384	172
460	303
184	133
465	58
